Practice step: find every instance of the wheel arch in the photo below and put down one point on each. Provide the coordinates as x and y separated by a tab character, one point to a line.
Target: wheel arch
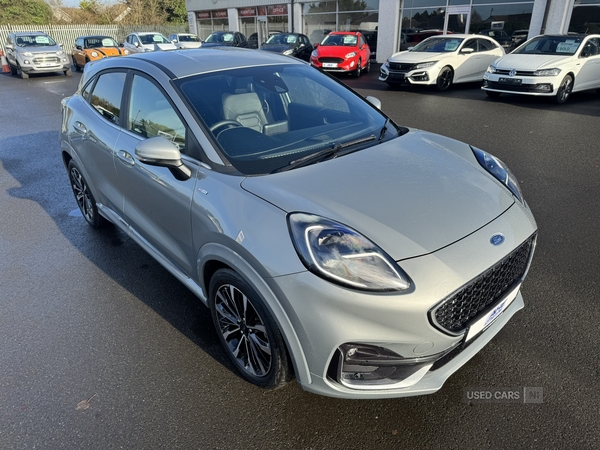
214	256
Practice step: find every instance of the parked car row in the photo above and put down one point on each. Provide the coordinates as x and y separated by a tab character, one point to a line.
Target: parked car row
546	65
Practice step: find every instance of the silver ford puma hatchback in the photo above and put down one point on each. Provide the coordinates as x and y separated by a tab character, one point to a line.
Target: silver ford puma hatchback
366	259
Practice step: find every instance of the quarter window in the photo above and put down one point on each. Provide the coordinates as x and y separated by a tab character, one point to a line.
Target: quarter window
107	94
151	114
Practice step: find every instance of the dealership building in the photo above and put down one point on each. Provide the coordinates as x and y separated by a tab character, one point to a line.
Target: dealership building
389	22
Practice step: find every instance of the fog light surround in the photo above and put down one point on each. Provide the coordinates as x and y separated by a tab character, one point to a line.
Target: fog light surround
421	76
369	367
544	87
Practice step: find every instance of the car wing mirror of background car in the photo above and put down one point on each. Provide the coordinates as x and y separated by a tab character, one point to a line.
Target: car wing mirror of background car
374	101
158	151
467	50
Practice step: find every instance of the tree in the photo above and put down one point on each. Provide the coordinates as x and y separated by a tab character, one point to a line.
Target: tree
32	12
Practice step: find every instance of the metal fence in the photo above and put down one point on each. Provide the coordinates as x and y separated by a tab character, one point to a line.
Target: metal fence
67	34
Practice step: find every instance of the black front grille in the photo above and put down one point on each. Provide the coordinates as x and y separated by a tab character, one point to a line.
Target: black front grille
455	313
331	60
516	87
403	67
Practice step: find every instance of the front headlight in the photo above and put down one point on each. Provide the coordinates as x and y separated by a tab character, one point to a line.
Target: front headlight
288	52
387	63
350	55
60	53
125	52
343	256
94	54
314	54
491	69
546	72
500	171
424	65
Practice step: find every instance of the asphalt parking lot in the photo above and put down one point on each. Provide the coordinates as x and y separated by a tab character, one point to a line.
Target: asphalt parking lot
102	348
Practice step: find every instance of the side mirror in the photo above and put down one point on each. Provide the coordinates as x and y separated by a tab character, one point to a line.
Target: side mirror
316	45
121	45
374	101
60	45
78	47
158	151
137	44
467	50
8	46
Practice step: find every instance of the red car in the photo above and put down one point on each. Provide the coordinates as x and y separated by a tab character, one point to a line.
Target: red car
342	51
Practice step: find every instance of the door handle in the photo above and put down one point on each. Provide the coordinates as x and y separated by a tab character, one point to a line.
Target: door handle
126	158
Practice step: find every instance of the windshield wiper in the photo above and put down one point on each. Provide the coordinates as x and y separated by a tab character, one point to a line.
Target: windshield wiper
384	129
322	154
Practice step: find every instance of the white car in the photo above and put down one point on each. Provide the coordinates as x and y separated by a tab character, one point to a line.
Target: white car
547	65
147	42
185	40
442	60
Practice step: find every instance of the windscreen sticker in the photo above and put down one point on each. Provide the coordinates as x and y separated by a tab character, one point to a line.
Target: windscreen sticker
567	47
349	40
451	46
157	38
228	38
42	40
107	42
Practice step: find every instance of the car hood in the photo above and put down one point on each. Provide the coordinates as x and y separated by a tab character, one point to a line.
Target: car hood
530	62
156	47
217	44
334	50
280	48
106	51
416	57
48	49
411	195
189	44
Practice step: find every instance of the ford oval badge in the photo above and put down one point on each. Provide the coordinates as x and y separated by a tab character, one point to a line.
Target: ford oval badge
497	239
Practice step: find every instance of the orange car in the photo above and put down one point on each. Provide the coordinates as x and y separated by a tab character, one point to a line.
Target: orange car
91	48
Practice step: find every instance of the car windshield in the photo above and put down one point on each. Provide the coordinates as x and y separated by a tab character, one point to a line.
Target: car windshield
348	40
266	119
551	45
154	39
221	38
100	41
188	38
35	41
283	39
438	45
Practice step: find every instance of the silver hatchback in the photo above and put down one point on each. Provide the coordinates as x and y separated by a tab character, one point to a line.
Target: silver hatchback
367	259
35	52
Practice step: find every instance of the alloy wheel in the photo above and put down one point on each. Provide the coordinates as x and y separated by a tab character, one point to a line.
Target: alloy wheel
243	330
82	195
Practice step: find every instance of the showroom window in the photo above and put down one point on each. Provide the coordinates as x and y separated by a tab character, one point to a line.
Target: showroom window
320	18
586	17
423	18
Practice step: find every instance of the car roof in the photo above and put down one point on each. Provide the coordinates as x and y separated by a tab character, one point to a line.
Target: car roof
96	36
353	33
144	33
30	33
183	63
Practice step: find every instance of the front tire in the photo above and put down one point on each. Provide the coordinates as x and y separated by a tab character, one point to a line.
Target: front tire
24	75
444	79
68	72
247	331
13	70
358	70
84	198
564	90
368	68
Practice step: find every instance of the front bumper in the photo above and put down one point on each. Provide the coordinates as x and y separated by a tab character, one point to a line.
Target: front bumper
326	317
45	65
348	65
425	76
527	85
